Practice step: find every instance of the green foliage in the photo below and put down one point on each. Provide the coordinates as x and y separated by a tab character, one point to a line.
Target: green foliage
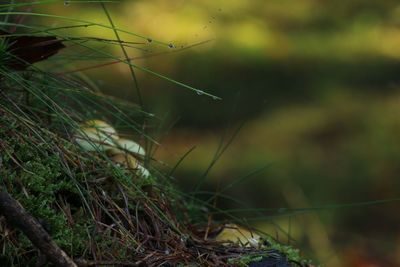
246	260
292	253
34	175
273	247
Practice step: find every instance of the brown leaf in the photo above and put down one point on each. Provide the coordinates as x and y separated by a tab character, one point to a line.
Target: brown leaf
27	50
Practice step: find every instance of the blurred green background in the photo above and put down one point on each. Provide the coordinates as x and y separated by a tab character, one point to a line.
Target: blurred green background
316	83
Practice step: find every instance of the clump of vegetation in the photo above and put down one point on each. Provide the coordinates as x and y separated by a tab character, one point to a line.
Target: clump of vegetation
94	209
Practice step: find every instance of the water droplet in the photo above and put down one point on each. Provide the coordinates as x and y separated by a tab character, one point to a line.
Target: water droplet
199	92
215	97
171	45
67	2
149	40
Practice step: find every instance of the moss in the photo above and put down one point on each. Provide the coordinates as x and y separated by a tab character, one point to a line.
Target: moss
291	253
271	247
34	175
245	260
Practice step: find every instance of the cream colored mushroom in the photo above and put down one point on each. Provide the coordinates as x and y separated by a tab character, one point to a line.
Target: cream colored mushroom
130	162
102	127
95	135
233	233
125	145
142	171
125	160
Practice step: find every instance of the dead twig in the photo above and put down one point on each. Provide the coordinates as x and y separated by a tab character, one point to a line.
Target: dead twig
16	216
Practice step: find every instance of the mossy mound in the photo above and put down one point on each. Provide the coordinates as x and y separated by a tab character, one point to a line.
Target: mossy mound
95	210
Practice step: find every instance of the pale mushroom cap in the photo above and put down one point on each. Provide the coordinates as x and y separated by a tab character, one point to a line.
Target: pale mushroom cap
125	160
91	139
254	242
131	146
101	126
142	171
130	162
236	234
